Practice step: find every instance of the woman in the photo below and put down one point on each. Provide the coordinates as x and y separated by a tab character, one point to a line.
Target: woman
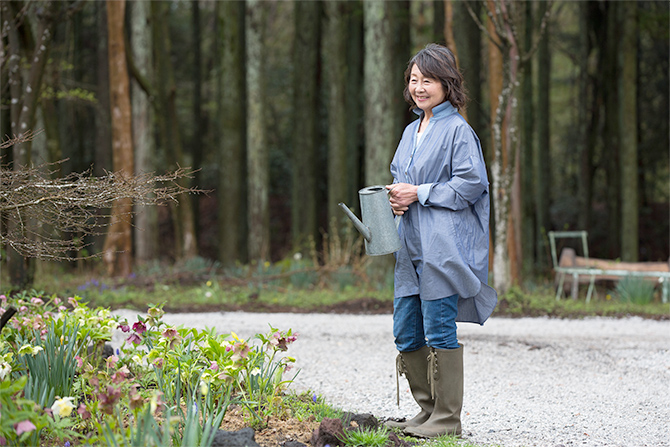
441	194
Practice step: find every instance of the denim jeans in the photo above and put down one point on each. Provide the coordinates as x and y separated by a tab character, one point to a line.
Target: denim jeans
418	322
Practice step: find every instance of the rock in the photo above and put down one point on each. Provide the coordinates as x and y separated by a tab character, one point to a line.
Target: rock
364	420
330	432
240	438
293	444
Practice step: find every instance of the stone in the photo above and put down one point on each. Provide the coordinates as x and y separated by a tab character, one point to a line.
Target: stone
330	432
240	438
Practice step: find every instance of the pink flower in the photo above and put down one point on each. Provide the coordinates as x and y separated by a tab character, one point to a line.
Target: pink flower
158	363
123	327
170	333
37	301
111	361
3	440
57	300
23	309
214	366
139	327
24	427
3	298
134	339
73	302
62	308
80	361
120	375
83	412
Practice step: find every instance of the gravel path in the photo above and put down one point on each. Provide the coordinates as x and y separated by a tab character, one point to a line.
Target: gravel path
528	382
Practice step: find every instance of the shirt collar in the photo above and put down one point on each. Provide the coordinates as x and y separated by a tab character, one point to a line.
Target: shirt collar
440	111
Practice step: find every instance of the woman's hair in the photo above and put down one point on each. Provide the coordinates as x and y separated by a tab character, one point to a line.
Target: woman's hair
438	62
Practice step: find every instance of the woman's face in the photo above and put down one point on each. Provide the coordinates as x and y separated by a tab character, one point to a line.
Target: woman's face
426	92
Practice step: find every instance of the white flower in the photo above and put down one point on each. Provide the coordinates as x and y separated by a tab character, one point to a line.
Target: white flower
63	407
28	349
5	369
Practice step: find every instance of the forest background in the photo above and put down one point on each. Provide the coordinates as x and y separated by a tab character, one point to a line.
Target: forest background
287	108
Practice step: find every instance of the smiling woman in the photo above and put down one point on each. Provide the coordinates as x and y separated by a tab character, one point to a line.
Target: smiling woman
441	190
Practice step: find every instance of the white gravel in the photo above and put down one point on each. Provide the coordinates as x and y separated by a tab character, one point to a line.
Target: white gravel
528	382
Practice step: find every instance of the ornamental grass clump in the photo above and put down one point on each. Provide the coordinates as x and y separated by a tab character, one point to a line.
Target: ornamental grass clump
636	290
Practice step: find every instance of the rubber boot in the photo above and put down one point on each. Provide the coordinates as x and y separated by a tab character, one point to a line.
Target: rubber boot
414	366
446	367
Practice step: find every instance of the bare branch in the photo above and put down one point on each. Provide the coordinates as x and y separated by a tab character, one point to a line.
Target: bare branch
28	135
541	32
76	204
481	26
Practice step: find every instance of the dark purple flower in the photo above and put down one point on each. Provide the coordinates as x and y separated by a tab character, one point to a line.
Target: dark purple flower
134	339
139	327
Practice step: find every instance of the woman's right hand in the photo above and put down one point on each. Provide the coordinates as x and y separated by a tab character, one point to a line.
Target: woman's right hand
401	195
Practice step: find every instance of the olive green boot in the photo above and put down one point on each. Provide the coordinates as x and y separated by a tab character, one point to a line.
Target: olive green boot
414	366
446	368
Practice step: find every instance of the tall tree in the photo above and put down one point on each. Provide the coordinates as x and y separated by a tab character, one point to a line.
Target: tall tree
304	213
335	56
612	142
628	132
232	116
146	217
258	177
542	149
378	76
169	128
198	121
118	244
25	90
526	97
504	38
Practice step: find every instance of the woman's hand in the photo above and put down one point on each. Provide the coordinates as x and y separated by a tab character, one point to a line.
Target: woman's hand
401	195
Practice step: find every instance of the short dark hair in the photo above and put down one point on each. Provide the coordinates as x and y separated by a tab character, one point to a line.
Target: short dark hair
438	62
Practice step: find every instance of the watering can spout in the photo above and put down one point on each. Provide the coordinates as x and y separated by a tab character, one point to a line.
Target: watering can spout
365	231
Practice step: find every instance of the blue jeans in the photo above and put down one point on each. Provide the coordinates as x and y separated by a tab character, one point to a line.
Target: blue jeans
418	322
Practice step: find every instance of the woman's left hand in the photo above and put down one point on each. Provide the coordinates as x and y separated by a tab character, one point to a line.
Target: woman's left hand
401	195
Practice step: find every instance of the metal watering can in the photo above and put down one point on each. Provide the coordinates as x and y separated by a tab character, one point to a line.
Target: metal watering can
378	227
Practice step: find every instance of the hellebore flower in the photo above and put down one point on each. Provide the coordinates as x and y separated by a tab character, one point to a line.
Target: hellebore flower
36	301
134	339
139	327
63	407
123	327
111	361
24	427
83	412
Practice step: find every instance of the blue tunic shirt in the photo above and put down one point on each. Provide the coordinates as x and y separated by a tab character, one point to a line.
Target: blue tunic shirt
445	235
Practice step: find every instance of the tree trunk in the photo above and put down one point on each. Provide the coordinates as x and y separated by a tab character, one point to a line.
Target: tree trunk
146	217
25	98
526	99
470	59
304	212
335	55
611	130
258	179
232	111
542	191
198	121
170	134
118	244
628	12
355	135
379	91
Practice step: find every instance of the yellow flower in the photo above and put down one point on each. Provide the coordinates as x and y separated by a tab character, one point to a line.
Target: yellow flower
63	407
608	297
209	283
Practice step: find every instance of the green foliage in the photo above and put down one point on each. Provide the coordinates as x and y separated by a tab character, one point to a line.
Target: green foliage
308	404
366	437
632	289
163	386
50	363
